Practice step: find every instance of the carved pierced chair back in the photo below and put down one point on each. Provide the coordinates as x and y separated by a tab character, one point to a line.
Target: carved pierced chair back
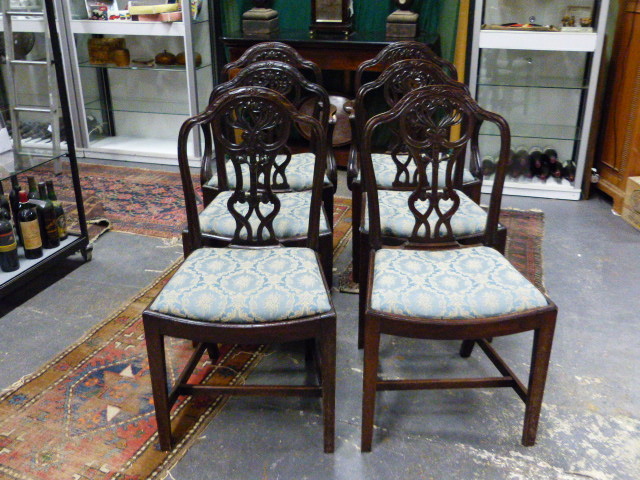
395	82
423	120
403	50
250	126
289	82
280	52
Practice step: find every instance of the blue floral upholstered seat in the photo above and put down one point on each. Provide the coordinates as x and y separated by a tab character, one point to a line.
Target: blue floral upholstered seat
292	219
466	283
396	219
386	170
299	172
245	286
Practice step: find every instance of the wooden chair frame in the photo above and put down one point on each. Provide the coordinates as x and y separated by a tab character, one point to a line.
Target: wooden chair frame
193	237
395	81
320	329
288	81
278	51
375	323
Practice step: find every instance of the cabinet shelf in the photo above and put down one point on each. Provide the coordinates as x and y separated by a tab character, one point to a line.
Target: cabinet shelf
173	29
155	68
25	24
143	106
541	131
15	164
549	41
538	82
534	187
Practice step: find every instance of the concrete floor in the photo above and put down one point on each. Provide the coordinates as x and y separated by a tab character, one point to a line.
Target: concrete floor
590	426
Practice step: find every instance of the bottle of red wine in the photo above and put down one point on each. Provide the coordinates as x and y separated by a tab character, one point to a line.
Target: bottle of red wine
535	162
8	247
47	215
569	170
520	164
61	219
30	228
33	188
488	166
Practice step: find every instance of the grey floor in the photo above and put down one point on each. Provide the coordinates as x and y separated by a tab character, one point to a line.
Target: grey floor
590	426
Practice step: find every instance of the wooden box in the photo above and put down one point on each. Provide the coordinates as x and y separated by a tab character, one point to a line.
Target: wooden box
100	49
631	205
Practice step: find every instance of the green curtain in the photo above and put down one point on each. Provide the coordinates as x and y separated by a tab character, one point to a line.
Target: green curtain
436	16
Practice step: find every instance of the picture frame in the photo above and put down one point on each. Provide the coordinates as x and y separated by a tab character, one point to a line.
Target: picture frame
331	16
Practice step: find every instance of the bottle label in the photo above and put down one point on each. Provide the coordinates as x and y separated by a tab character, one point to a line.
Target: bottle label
51	228
61	221
31	234
7	242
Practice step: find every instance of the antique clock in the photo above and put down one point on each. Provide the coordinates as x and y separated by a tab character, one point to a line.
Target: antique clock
331	16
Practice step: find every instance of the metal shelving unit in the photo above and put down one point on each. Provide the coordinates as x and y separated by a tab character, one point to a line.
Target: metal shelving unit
543	83
16	162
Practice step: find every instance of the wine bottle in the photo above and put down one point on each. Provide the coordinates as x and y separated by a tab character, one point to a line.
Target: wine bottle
488	166
33	189
4	202
8	247
47	215
535	162
30	228
520	164
61	219
569	170
14	203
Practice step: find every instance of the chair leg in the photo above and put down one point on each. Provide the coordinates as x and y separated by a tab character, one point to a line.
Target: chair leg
501	240
158	373
466	348
542	341
326	258
187	248
370	377
328	352
213	351
355	222
362	305
309	353
327	200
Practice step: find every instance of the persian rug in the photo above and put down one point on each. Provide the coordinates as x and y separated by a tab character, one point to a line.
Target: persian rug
524	248
88	413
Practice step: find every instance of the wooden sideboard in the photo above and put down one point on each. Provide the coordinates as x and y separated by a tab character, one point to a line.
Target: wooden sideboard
618	153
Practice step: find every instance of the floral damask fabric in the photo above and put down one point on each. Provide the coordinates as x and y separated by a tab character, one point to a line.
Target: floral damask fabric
452	284
299	172
385	170
397	220
234	285
291	221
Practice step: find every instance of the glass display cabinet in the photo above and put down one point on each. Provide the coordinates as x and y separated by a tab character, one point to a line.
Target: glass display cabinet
35	98
536	63
138	80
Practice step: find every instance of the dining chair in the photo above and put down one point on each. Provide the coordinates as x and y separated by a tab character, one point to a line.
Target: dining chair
293	172
278	51
431	286
254	290
396	172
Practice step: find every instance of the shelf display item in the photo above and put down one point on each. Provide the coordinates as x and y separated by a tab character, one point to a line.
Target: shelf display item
402	23
261	19
165	58
101	49
577	19
102	10
121	57
61	219
181	59
331	16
